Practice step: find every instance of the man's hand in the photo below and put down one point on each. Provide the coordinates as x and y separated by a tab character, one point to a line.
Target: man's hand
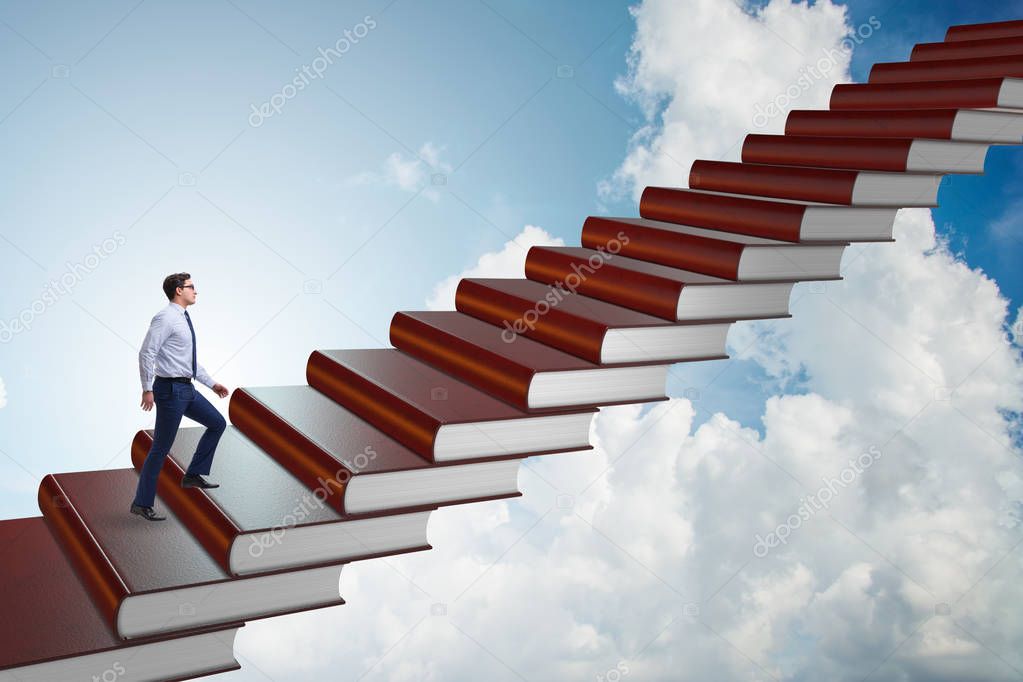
220	390
147	400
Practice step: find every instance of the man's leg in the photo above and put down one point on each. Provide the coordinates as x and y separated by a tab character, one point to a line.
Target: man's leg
168	417
200	410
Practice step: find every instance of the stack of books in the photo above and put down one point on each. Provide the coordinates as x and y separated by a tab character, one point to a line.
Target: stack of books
349	466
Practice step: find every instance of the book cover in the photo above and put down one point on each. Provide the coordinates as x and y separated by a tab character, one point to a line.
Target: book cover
741	215
947	69
991	47
985	31
478	353
407	398
50	616
826	185
636	284
119	556
979	93
331	450
936	124
553	315
260	500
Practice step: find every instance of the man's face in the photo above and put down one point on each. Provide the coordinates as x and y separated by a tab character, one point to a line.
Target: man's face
188	291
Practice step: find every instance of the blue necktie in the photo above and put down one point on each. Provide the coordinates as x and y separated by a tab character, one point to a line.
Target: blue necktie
191	329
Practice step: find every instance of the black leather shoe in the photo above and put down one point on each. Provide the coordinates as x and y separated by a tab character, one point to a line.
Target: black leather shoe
147	513
197	481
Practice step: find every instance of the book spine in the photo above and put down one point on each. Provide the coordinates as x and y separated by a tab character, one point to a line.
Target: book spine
946	70
966	94
714	257
767	219
966	49
206	521
92	565
985	31
487	370
316	469
396	417
933	124
783	182
540	320
639	291
883	155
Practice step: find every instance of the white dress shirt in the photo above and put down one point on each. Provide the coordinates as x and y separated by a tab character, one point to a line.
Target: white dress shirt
167	349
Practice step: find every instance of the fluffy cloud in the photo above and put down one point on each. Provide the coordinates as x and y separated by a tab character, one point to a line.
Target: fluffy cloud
897	391
912	346
508	262
408	173
893	501
702	70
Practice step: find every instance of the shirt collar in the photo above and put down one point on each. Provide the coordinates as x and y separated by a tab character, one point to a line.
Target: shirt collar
178	306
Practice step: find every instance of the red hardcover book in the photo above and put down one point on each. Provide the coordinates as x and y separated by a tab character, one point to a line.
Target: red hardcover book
756	217
526	373
964	49
857	153
589	328
947	69
973	93
354	467
52	631
153	577
265	519
735	257
985	31
743	215
964	125
665	292
827	185
435	414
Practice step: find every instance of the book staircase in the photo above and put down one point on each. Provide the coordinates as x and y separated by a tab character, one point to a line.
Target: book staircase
350	466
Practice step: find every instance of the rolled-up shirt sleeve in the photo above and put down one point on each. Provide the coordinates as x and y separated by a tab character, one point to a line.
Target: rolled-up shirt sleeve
158	330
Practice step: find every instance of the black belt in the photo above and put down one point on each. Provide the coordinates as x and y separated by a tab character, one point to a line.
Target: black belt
184	380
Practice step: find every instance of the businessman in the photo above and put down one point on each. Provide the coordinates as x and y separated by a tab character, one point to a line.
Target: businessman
167	365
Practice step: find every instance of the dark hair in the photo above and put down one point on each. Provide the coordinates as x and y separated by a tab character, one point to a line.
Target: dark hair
172	282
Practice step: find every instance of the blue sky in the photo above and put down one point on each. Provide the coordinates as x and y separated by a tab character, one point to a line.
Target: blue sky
446	128
163	100
157	96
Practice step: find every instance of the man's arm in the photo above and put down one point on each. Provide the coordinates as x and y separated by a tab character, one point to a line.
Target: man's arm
157	334
203	376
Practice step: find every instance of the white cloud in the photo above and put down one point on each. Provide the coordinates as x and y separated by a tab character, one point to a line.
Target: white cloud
410	173
700	70
641	552
607	554
508	262
1016	331
1006	229
3	394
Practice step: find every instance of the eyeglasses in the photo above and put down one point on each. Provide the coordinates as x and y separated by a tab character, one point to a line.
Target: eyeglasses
188	286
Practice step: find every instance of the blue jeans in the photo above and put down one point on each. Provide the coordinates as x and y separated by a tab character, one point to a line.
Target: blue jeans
174	400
